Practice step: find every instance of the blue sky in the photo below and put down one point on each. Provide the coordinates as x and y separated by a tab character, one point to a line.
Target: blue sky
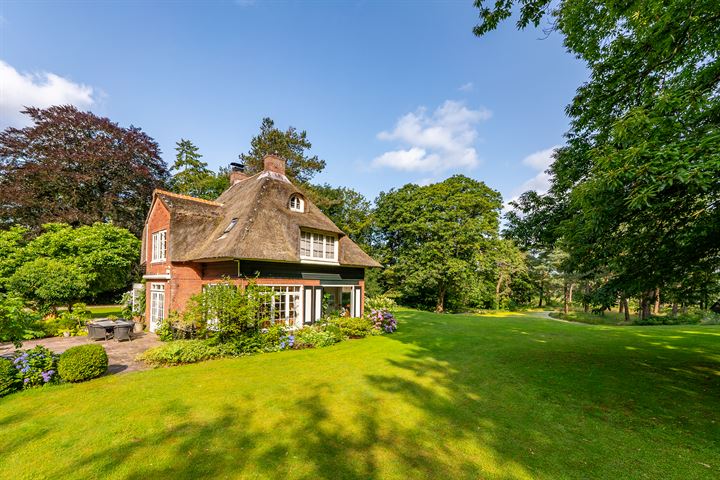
389	92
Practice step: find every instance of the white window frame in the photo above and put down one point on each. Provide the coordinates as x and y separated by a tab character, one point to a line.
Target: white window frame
300	203
157	305
289	318
159	246
315	239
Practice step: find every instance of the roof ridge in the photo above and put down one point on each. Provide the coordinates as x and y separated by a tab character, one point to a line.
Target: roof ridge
186	197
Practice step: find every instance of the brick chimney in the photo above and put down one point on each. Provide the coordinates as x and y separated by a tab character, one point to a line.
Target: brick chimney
273	163
237	173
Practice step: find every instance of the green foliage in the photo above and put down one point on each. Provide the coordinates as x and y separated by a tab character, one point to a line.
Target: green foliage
9	382
353	327
36	367
72	321
380	302
317	337
48	282
82	362
192	176
12	243
17	323
290	145
183	351
431	238
635	190
65	264
348	209
229	311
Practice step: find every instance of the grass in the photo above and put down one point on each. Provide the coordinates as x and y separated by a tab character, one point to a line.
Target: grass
448	396
608	318
101	311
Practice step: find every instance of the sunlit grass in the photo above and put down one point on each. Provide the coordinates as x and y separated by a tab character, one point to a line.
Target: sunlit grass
448	396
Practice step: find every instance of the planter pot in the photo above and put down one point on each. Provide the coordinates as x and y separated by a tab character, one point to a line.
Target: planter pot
138	328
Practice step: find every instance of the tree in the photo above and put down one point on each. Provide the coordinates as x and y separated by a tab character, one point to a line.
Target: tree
48	282
193	177
430	238
16	321
77	168
291	145
12	243
638	181
348	209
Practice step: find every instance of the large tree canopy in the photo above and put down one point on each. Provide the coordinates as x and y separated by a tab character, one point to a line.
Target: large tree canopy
77	168
432	238
635	196
66	264
348	209
290	144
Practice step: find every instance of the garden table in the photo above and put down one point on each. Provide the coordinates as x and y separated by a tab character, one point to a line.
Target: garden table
109	325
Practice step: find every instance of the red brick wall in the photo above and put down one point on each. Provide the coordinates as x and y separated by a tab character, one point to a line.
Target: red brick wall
159	219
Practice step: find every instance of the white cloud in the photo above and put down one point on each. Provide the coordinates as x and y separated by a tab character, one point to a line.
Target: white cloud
20	90
466	87
434	142
539	161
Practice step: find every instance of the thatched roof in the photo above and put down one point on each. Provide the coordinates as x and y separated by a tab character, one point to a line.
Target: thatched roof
265	227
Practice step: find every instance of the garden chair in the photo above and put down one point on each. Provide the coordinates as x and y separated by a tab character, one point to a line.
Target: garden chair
96	332
122	332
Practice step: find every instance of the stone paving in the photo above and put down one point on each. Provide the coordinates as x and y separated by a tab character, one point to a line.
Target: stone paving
121	355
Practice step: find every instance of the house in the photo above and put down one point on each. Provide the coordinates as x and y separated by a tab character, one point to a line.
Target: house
261	227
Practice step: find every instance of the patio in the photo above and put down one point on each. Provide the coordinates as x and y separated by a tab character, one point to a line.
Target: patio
121	355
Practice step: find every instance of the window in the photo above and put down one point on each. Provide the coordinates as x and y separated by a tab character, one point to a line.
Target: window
286	305
157	305
159	246
317	246
230	226
297	204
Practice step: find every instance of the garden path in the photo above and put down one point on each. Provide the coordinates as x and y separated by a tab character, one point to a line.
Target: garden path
121	355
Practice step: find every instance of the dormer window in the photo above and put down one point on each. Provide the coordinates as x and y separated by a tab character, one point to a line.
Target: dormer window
297	204
318	246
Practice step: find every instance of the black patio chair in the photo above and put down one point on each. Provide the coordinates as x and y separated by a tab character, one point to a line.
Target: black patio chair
122	332
96	332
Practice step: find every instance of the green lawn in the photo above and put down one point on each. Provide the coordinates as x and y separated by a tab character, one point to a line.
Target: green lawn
448	396
608	318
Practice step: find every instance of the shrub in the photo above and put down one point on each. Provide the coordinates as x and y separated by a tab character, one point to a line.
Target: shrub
311	337
83	362
184	351
383	321
68	321
8	377
353	327
36	367
17	323
380	302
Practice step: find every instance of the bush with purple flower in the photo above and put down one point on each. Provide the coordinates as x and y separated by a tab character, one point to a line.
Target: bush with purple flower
383	320
36	367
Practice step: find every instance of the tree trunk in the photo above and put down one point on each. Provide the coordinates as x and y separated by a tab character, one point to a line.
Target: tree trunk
645	305
674	309
572	285
626	309
566	306
440	307
497	292
541	295
621	305
656	307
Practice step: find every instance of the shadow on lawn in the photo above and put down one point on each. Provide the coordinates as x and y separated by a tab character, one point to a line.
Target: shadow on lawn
513	403
465	400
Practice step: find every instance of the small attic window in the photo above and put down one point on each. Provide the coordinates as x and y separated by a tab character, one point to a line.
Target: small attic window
230	226
297	204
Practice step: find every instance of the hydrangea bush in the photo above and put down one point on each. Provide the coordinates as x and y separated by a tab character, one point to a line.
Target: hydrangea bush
36	367
383	320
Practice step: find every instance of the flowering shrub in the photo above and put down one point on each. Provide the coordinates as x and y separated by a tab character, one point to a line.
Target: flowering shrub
36	367
353	327
315	337
383	320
